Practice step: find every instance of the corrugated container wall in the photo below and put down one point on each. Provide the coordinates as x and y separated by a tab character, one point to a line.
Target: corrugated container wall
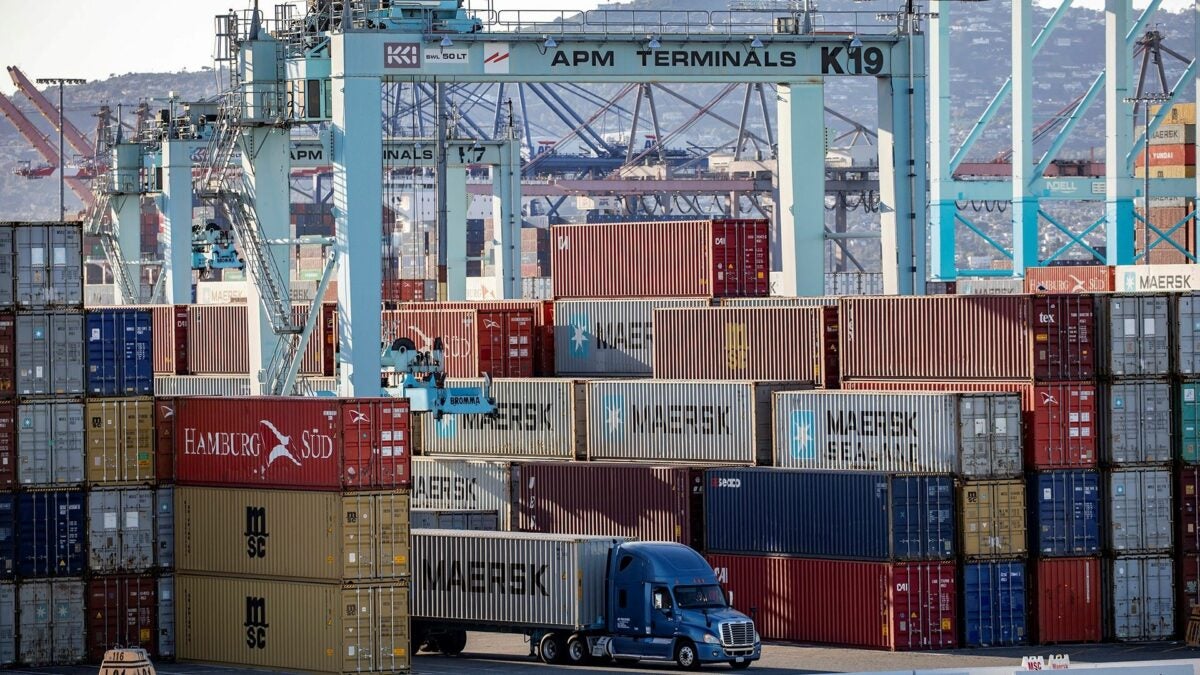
8	445
993	518
164	440
496	342
201	385
293	626
1138	338
566	498
457	485
1143	597
50	444
120	352
1069	279
608	338
1187	355
51	538
49	264
990	432
573	569
695	421
994	604
122	611
1068	601
166	616
297	534
455	520
1140	511
707	258
770	343
120	440
50	354
806	513
1064	338
1139	423
122	534
1188	515
8	538
8	287
164	526
905	606
8	624
212	325
8	354
536	418
1187	423
52	624
543	323
1067	512
170	331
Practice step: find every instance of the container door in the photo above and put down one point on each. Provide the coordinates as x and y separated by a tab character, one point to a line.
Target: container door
7	296
8	624
8	446
137	529
923	606
164	526
1189	334
104	539
36	613
164	442
166	616
69	622
102	348
8	355
8	536
1064	433
138	376
375	443
67	354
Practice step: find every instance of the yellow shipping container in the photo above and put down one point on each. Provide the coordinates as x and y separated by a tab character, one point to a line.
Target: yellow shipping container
292	534
1170	171
119	433
1180	113
292	625
993	518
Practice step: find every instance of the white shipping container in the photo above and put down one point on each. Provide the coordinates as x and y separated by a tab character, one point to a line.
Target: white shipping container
52	622
1138	335
50	354
991	435
164	526
460	485
50	444
49	259
121	531
608	338
1143	598
990	286
1139	510
561	582
201	385
1139	423
691	421
536	419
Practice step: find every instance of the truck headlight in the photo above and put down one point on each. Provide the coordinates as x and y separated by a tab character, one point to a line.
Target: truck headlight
711	639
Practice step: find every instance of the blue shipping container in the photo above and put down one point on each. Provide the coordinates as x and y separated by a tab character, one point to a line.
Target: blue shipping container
51	538
120	352
825	514
994	603
8	537
1068	513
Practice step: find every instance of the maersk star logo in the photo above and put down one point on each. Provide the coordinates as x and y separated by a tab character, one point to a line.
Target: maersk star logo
447	427
614	415
579	338
803	424
1130	281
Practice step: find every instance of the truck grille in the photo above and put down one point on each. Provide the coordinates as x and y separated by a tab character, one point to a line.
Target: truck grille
737	634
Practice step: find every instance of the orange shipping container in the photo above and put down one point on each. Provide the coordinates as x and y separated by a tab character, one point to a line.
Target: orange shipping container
1168	155
497	342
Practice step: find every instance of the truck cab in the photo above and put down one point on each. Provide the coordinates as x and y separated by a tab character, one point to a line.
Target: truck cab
665	604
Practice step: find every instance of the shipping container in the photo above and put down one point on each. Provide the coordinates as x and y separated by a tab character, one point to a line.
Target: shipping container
169	328
458	485
990	286
1140	510
8	536
1067	512
1137	336
1187	355
498	342
905	606
990	434
1068	604
50	354
1139	422
52	622
50	444
993	518
164	527
430	519
1064	338
1167	155
8	624
740	343
994	604
119	352
281	442
225	325
51	537
166	616
8	288
543	323
8	445
164	440
121	530
120	440
8	354
784	301
1069	279
201	385
49	264
122	611
536	417
867	516
608	338
1189	509
1143	597
296	534
595	499
706	258
293	626
693	421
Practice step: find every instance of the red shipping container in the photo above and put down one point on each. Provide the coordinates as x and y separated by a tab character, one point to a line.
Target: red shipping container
905	606
1069	279
279	442
543	323
1189	509
1178	154
8	445
8	354
122	611
217	341
706	258
405	290
570	498
1067	601
747	343
164	439
498	342
1188	582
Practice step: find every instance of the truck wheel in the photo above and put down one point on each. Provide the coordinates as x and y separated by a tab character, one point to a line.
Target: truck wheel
551	648
577	650
453	642
739	665
686	656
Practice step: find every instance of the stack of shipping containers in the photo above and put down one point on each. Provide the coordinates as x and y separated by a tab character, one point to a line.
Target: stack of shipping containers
1172	154
1187	429
8	446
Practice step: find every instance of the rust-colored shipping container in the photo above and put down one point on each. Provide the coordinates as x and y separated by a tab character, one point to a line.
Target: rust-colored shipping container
120	437
170	334
1069	279
543	323
620	500
1189	509
498	342
409	290
992	518
744	343
8	445
904	606
705	258
280	442
217	340
8	354
295	534
122	611
1175	154
1067	602
1188	584
164	439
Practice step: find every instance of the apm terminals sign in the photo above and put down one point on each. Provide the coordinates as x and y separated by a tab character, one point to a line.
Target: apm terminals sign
1158	278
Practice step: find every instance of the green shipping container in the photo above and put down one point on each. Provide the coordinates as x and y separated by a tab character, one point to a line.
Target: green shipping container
1189	421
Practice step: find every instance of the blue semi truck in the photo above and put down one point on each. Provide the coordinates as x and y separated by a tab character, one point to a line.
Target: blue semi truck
577	598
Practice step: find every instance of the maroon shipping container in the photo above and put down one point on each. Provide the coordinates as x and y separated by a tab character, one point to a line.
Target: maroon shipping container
1067	602
744	343
498	342
543	324
1188	582
644	502
8	354
1189	509
903	606
8	445
1060	419
1064	330
164	439
279	442
122	611
705	258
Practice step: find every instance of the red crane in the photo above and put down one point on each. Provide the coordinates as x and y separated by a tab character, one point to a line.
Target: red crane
76	139
39	143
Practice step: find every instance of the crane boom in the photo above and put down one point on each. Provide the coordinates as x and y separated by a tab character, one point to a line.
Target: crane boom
76	139
39	143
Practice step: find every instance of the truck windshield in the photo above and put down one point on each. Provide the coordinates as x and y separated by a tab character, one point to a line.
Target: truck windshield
699	597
